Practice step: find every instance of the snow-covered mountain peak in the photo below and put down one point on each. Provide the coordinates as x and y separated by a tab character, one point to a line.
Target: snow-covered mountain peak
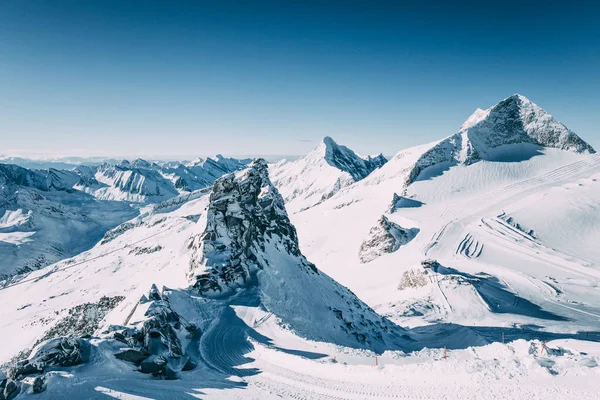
141	163
515	120
344	159
477	116
245	212
324	171
493	134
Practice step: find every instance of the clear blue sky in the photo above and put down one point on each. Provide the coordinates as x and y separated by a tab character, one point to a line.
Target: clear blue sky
135	78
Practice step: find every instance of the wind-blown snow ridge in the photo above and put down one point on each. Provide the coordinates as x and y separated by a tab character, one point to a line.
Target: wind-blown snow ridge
515	120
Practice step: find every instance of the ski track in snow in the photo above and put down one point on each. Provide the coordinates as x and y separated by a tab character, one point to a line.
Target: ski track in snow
489	200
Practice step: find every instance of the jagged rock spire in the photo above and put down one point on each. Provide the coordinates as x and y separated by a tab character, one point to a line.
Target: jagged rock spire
245	212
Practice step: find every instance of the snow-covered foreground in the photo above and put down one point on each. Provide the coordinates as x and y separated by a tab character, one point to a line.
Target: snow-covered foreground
246	357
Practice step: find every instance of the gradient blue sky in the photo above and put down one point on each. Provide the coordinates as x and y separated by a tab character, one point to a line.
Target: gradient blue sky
182	78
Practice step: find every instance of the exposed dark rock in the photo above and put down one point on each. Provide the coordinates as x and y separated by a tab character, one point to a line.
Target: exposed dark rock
155	344
154	365
58	352
244	214
11	390
23	368
385	237
39	384
346	160
132	355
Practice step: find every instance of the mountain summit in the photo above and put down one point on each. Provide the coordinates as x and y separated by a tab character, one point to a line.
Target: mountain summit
514	120
346	160
323	172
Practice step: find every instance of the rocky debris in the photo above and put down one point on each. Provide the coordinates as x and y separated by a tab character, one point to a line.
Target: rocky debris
385	237
81	320
39	384
138	251
9	389
57	352
157	346
413	278
244	214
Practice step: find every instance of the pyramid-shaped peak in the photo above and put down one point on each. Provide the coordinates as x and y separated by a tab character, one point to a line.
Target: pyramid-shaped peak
520	97
328	141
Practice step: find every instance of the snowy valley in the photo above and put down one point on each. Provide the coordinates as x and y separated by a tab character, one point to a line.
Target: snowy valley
465	265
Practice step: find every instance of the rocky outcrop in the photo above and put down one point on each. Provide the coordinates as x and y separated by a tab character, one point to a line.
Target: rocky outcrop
9	389
249	248
346	160
57	352
385	237
399	202
412	279
245	213
156	345
83	319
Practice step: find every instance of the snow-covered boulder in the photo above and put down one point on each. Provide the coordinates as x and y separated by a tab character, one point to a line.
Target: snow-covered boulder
57	352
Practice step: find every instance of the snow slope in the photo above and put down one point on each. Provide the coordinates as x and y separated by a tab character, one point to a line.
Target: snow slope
512	233
262	335
320	174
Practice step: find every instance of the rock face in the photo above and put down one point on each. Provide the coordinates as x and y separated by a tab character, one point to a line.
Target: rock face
320	174
385	237
244	213
412	279
346	160
515	120
9	389
249	247
159	344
